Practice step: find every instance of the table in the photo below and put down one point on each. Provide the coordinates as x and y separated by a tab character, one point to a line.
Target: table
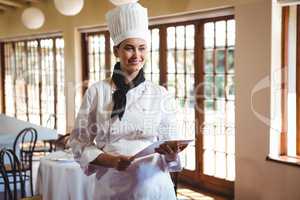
60	177
10	127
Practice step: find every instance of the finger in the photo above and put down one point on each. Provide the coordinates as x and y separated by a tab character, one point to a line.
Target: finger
125	162
182	147
126	158
166	148
160	151
169	149
132	158
122	166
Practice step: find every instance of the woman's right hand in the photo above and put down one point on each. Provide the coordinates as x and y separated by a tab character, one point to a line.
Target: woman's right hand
118	162
121	162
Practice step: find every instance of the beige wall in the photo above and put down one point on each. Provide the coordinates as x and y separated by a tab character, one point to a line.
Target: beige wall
255	178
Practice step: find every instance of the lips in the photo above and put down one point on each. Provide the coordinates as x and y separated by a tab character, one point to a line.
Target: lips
134	62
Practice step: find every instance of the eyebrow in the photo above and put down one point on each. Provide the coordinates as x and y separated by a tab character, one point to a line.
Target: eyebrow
130	45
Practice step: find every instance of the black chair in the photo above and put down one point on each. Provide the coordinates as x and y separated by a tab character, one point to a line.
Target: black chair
24	145
12	175
62	142
46	146
13	178
174	177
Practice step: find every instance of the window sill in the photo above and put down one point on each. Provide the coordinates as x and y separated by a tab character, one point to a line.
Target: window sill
287	160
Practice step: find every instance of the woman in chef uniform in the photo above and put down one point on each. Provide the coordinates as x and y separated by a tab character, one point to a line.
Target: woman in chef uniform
124	114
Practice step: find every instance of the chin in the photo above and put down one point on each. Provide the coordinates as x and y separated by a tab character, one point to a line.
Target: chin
134	68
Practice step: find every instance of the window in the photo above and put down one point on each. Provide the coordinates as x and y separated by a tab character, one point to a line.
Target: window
285	136
194	60
181	81
218	74
33	79
97	59
151	68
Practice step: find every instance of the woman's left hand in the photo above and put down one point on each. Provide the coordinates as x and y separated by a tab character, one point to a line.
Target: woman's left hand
165	149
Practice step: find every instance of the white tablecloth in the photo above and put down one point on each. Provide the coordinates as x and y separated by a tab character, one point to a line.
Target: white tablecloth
10	127
61	178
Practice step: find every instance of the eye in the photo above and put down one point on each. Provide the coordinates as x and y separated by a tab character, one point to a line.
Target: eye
142	48
127	48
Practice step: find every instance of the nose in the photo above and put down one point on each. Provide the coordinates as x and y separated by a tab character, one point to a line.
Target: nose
136	53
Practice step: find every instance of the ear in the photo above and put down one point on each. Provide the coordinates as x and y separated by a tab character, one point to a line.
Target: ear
116	51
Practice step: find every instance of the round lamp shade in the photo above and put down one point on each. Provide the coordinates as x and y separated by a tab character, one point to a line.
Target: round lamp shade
33	18
69	7
120	2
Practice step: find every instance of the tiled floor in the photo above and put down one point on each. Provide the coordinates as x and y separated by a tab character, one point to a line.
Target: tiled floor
185	193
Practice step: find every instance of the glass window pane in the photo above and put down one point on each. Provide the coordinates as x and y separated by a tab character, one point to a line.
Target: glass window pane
147	68
209	137
221	165
208	61
155	62
190	63
190	81
208	87
180	37
209	107
190	37
220	61
180	61
209	162
220	33
230	60
230	110
190	163
155	78
209	35
180	86
220	138
171	61
220	86
209	114
231	32
155	39
171	38
230	167
113	58
171	84
230	140
230	90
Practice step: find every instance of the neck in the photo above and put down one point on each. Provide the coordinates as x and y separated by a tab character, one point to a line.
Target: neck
130	77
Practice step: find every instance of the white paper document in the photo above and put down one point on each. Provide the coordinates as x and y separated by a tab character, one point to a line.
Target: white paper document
151	148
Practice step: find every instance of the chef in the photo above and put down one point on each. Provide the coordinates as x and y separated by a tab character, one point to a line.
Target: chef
122	115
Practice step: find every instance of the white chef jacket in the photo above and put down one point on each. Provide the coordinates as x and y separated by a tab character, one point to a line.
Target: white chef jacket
150	115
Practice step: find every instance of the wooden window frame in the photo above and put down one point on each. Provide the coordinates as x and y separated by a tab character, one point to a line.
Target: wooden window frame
39	49
298	81
283	156
85	60
2	78
284	86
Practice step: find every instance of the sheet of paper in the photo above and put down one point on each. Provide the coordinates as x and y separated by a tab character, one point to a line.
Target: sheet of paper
151	148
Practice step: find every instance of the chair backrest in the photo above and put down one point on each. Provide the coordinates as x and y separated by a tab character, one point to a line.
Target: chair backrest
11	174
24	145
62	142
50	123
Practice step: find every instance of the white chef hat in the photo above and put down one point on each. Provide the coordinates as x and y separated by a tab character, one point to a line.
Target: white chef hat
128	21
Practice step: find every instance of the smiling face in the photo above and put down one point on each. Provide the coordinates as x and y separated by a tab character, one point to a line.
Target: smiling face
132	53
